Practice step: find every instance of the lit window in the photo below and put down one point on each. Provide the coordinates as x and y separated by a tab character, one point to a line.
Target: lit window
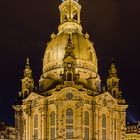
69	123
86	133
52	117
35	134
103	127
69	135
52	133
69	120
52	123
69	76
69	127
69	113
86	118
69	96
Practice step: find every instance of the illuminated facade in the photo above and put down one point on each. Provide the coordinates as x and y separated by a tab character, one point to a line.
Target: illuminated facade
133	131
70	103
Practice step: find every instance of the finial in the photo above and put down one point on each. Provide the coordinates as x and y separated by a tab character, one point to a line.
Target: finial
27	60
113	61
113	70
53	36
87	36
113	64
27	70
27	63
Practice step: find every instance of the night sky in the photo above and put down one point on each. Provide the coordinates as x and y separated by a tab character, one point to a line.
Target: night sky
26	26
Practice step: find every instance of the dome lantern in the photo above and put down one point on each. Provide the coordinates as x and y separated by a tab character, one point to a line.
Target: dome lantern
70	15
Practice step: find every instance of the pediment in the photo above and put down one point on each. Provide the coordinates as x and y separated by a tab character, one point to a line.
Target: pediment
69	59
63	94
32	96
105	99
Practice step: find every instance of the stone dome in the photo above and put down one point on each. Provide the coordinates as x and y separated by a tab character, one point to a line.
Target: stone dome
83	50
81	56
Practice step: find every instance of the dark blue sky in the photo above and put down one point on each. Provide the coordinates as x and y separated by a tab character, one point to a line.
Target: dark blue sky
26	26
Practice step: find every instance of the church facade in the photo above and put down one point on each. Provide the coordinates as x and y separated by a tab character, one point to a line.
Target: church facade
70	102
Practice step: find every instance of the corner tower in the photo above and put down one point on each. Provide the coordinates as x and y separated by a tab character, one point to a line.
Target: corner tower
113	83
83	50
27	81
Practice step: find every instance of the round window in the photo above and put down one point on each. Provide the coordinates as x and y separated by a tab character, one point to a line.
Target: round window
69	95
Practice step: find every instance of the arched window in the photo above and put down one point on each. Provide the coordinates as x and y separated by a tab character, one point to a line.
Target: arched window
52	123
86	120
65	17
69	112
75	15
115	129
69	76
36	127
69	123
103	127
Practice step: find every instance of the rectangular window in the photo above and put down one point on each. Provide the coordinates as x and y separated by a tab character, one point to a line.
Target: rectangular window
69	128
69	135
103	134
52	133
69	123
35	134
69	120
69	131
86	133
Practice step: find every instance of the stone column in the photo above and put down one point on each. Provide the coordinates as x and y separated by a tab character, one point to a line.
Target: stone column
43	122
96	121
27	128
